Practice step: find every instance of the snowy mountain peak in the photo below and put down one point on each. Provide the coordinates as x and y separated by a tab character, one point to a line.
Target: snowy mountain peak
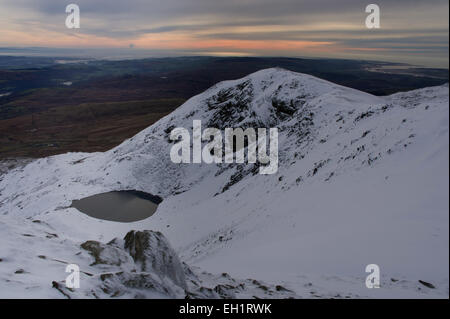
262	98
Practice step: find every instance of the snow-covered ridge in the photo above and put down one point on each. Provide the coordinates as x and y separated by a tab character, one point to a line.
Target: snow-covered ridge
362	179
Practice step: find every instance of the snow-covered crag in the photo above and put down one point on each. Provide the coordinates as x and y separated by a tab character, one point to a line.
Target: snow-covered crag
361	180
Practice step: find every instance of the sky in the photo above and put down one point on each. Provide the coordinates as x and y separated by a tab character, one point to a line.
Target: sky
411	31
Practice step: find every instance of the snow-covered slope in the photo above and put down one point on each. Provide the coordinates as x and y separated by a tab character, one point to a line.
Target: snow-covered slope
361	180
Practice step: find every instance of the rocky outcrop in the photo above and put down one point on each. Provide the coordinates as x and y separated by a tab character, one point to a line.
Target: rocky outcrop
144	265
152	252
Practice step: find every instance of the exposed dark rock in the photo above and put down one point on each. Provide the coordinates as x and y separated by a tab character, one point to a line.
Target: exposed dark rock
61	290
225	291
427	284
107	254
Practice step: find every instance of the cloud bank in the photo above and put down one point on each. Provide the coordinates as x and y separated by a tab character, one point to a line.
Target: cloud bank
411	31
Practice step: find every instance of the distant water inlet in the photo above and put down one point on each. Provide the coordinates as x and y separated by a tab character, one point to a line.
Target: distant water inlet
119	206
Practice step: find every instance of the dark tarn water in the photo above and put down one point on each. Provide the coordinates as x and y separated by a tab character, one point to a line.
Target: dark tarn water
119	206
